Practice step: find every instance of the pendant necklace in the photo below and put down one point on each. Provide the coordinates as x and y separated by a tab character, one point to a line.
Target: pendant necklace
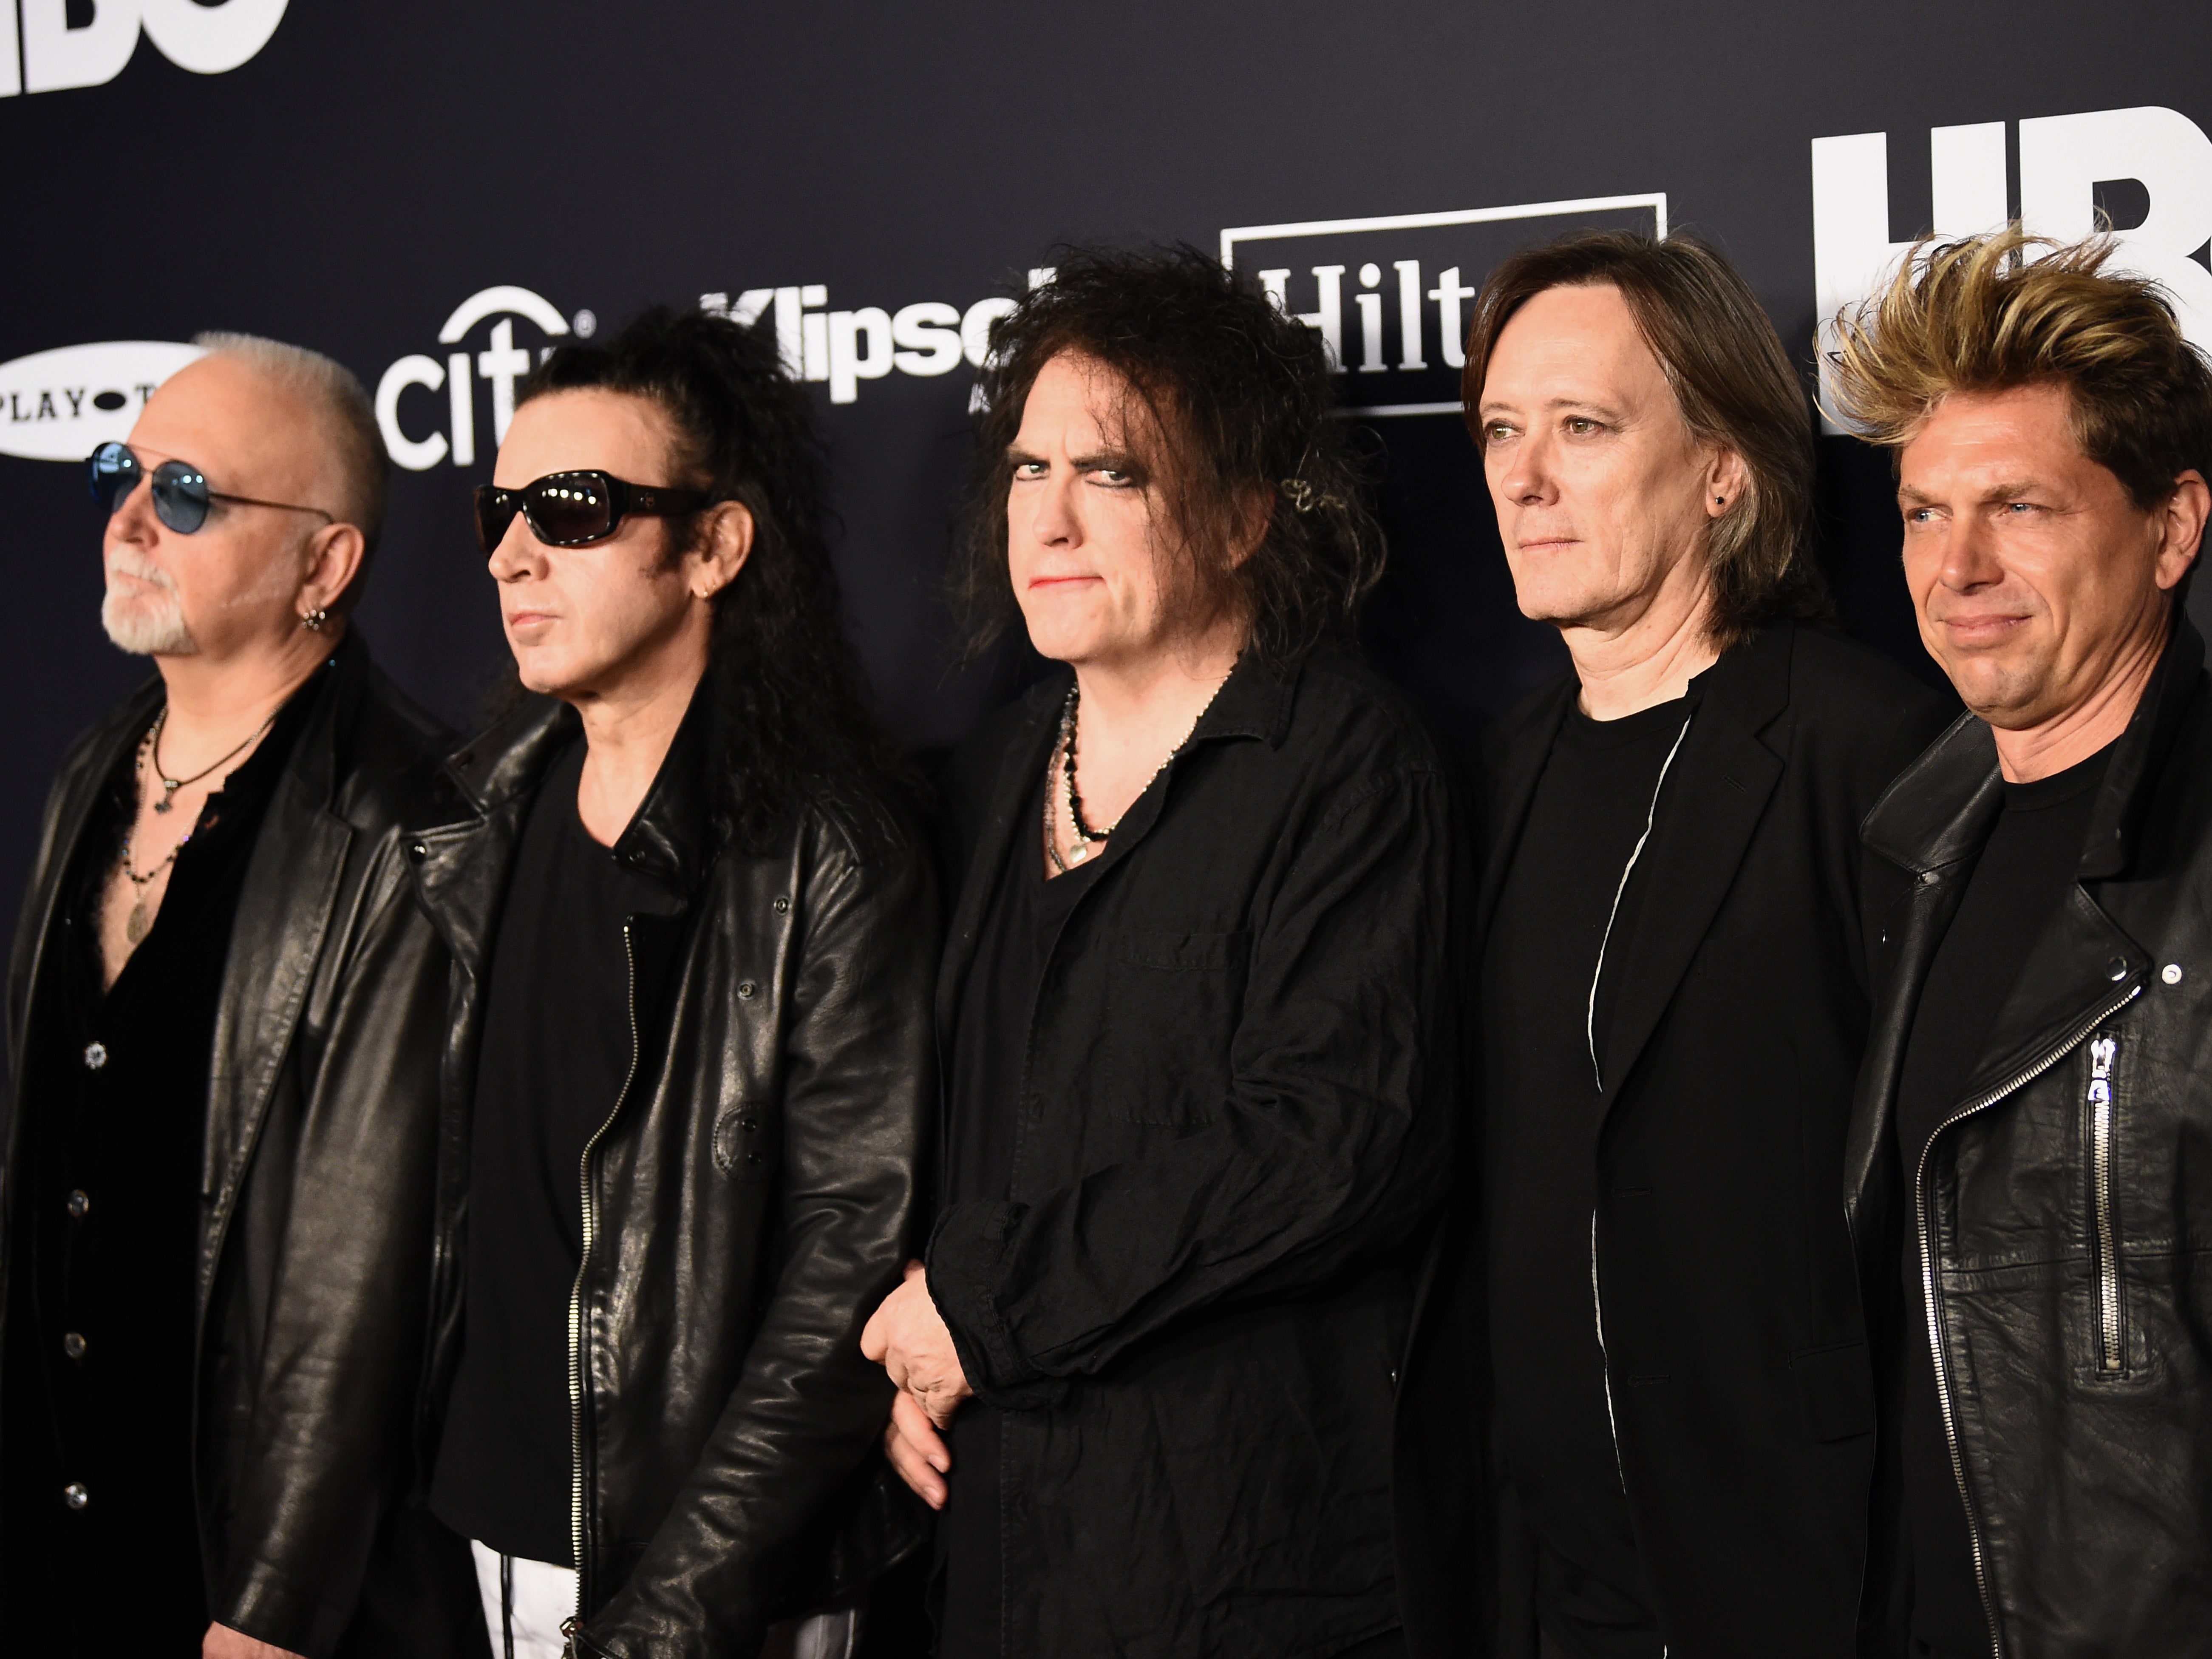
169	785
1087	839
140	921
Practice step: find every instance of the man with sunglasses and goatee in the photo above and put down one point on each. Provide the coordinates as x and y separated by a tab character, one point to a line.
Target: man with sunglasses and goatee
225	1016
697	939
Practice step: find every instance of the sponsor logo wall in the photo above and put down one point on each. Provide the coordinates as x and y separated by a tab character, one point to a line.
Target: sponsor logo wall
439	198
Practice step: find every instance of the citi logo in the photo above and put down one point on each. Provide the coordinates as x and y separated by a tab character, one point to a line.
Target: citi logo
2145	175
411	426
1388	296
207	40
60	405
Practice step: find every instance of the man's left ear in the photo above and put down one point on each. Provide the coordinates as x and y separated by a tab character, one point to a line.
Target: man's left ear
2186	512
334	557
1727	481
1255	514
725	543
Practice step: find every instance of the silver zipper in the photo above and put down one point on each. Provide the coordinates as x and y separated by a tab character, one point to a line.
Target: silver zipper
2110	1351
576	1291
1650	816
2018	1080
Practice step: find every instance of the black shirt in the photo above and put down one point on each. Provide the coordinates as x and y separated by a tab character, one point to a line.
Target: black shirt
991	1031
1592	804
102	1301
2025	868
557	1047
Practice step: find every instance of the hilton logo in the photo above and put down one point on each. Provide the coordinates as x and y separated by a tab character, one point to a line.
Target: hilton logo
1389	296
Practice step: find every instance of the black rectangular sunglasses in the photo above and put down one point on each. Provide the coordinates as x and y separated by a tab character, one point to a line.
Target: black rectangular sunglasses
570	509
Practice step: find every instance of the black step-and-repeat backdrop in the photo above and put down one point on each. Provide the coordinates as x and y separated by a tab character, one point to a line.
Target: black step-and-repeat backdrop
434	193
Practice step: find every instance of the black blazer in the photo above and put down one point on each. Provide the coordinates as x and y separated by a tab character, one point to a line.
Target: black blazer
1233	1124
1736	1354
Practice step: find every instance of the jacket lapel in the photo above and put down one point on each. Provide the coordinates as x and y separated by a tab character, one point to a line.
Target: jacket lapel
1717	790
1524	744
283	915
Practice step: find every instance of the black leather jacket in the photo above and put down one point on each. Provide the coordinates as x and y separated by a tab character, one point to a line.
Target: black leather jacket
321	1160
2062	1215
749	1200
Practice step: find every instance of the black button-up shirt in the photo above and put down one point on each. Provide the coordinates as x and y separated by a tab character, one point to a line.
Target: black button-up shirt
96	1383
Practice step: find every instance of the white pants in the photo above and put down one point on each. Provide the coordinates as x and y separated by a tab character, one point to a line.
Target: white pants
524	1603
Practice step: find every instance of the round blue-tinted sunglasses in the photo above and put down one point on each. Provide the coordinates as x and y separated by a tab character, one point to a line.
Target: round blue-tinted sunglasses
181	496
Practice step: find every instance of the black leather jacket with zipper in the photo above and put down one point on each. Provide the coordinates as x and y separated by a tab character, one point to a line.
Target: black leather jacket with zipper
748	1201
2061	1218
321	1159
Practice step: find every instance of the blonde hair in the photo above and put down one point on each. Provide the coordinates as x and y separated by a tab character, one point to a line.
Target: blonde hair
2005	310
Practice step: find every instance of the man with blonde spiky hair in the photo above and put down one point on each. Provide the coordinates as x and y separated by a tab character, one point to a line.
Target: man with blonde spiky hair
2026	1169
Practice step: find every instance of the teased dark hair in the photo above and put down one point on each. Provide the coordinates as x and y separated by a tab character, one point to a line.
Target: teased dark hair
1733	382
790	700
1226	399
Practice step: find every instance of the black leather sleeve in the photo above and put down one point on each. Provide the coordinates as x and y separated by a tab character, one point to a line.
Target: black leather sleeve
858	1094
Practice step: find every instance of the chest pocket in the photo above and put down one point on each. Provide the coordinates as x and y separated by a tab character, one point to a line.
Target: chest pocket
1173	1001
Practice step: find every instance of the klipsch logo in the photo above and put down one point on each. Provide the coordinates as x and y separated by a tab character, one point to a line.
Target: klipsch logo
2145	175
1389	296
57	54
62	405
423	429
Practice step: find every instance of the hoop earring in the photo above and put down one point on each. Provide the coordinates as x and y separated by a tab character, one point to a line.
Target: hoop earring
313	621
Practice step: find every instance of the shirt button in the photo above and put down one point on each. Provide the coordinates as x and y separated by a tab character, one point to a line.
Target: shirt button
78	1203
2171	972
746	989
95	1056
73	1345
74	1495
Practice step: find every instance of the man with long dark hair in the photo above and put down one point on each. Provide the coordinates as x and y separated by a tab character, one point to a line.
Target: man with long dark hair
695	940
1196	1006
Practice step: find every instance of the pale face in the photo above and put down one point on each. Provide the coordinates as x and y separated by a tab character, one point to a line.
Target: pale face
235	581
585	621
2032	572
1083	528
1603	495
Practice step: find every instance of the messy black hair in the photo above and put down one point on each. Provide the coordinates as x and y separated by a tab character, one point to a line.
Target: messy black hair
1226	418
791	705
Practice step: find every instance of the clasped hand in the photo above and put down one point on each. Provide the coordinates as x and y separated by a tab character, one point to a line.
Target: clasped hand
908	1340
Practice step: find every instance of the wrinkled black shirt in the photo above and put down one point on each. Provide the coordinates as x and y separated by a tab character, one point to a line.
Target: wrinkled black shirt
557	1046
1593	801
102	1301
992	1028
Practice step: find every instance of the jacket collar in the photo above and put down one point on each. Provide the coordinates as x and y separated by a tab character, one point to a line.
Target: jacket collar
670	839
1940	809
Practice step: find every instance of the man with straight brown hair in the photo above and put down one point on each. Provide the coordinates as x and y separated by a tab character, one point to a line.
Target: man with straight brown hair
1671	993
2025	1162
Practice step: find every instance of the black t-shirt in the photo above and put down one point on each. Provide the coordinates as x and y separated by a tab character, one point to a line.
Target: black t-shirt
557	1047
1592	806
104	1233
991	1033
2021	878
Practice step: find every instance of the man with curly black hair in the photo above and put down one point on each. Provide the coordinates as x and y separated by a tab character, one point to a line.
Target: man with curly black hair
695	940
1195	1007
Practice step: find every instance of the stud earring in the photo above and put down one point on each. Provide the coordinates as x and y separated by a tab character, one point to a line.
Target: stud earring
313	621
